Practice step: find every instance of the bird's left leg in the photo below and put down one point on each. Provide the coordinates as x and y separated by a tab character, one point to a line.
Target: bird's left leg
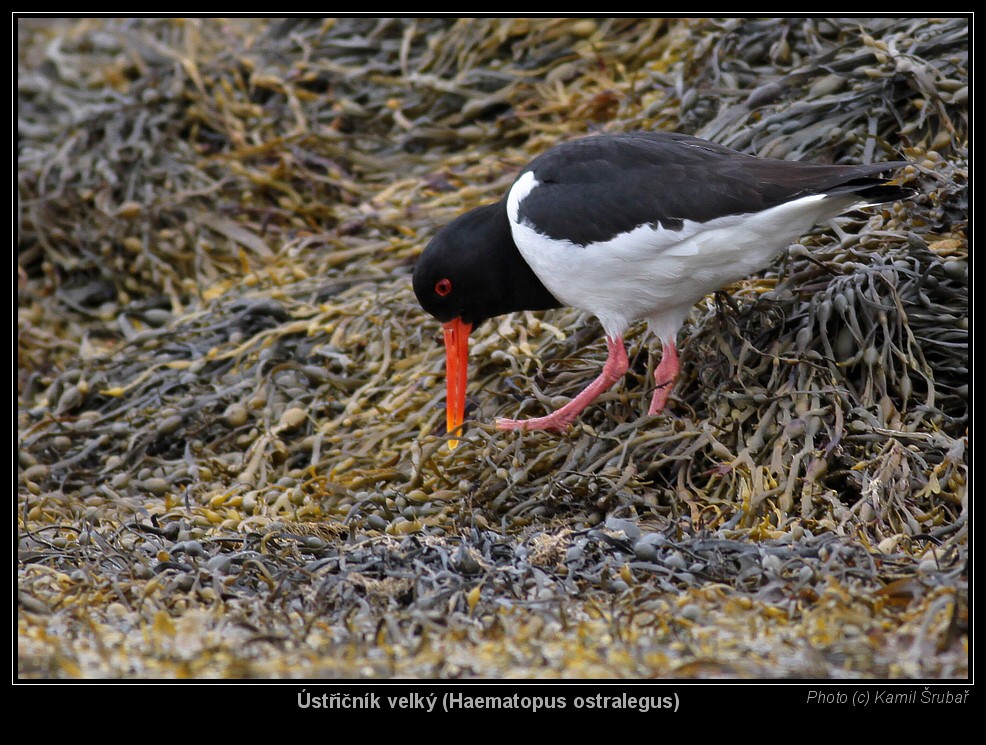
664	376
614	369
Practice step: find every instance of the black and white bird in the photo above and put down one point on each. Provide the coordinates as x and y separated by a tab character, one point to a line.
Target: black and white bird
627	227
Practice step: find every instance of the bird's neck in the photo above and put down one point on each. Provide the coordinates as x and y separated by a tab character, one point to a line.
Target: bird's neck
521	288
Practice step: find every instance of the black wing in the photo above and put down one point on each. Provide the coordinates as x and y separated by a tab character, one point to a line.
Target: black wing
593	189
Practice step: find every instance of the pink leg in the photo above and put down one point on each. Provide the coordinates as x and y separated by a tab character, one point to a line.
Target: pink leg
664	377
614	369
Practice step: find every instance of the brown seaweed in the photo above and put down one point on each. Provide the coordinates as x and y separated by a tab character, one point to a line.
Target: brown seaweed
230	409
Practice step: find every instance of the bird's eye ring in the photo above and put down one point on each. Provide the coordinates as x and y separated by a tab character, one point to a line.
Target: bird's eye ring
443	287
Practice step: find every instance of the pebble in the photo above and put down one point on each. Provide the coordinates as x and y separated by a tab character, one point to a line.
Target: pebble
219	563
675	560
193	548
691	612
617	525
465	562
646	547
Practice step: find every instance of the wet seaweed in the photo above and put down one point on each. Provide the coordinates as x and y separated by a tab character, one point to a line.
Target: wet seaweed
230	411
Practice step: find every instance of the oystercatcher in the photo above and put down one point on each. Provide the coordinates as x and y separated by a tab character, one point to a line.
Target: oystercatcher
626	226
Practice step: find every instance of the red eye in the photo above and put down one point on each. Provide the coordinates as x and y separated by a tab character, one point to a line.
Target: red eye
443	287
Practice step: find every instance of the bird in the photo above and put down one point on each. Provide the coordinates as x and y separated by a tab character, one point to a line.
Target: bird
627	227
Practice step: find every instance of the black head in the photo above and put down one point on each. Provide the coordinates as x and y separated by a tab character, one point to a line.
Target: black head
472	270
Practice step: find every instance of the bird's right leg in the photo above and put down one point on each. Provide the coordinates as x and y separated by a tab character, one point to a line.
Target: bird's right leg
664	377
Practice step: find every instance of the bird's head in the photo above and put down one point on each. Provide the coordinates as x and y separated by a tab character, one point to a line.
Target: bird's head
458	275
469	272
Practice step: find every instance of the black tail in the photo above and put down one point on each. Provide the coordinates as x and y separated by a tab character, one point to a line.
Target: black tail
873	190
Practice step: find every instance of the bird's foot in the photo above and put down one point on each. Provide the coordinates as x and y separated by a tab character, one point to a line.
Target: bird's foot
559	421
664	379
552	422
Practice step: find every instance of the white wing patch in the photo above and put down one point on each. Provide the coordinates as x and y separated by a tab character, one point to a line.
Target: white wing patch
521	188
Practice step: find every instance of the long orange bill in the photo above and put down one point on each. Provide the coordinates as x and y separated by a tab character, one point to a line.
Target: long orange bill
456	369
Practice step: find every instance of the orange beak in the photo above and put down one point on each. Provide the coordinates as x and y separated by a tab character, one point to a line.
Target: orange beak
456	369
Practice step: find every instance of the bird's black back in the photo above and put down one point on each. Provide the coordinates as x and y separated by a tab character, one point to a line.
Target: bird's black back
615	183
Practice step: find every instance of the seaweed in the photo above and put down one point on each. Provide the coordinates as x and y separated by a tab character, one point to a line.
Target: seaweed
231	447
